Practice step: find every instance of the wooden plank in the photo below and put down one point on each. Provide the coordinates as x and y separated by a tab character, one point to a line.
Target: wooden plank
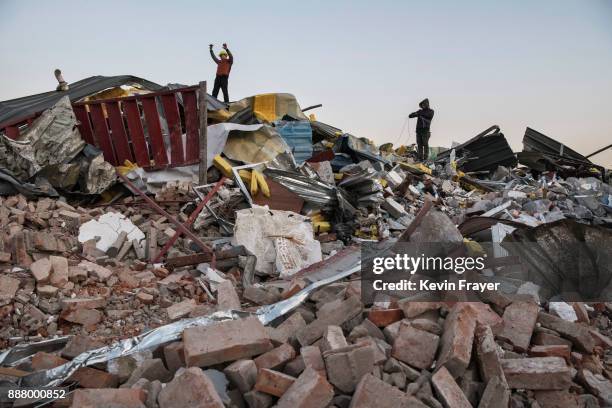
84	123
119	136
156	139
203	137
190	105
139	144
102	137
177	154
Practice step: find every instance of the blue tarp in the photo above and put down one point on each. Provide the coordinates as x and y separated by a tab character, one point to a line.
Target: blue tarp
298	135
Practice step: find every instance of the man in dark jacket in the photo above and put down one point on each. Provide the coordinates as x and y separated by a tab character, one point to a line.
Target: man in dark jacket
424	117
224	66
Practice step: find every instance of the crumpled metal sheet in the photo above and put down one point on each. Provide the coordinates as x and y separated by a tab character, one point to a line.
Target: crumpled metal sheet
51	140
311	190
566	257
13	356
161	335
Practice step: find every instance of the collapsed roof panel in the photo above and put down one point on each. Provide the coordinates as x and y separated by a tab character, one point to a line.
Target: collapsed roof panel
485	151
534	141
15	109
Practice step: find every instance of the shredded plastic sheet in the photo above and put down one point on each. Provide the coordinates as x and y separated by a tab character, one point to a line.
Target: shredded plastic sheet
156	337
282	241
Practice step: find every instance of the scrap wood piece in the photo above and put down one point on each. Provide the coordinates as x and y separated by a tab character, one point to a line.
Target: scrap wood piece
416	222
190	220
205	257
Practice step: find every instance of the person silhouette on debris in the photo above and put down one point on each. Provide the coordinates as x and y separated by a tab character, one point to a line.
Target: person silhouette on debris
424	117
224	66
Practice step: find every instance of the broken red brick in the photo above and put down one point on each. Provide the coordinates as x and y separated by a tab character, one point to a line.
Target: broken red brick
413	309
456	342
346	310
276	358
41	270
287	329
85	317
225	341
174	355
556	399
488	354
180	310
551	351
519	321
333	339
273	382
577	333
312	358
384	317
59	276
374	393
83	303
415	347
109	397
310	390
242	374
496	394
345	367
227	298
448	391
538	373
8	289
192	388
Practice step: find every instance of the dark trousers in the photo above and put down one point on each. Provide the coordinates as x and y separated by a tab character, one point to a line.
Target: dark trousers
423	145
221	83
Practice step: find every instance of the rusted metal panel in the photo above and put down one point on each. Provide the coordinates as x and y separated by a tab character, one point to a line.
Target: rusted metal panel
156	139
102	136
195	259
190	220
280	198
163	212
139	144
119	136
12	132
190	106
177	156
84	123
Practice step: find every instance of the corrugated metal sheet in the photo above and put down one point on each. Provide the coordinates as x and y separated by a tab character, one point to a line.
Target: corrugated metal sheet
534	141
27	106
485	151
323	131
298	135
19	108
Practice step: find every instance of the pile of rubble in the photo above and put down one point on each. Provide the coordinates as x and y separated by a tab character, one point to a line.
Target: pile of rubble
246	291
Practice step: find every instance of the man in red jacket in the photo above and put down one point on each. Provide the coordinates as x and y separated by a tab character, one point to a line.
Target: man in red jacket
224	66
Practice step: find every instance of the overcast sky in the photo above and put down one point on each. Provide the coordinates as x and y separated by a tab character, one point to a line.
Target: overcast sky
544	64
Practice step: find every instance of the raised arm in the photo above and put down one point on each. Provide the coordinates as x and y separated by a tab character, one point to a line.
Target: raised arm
230	55
212	55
